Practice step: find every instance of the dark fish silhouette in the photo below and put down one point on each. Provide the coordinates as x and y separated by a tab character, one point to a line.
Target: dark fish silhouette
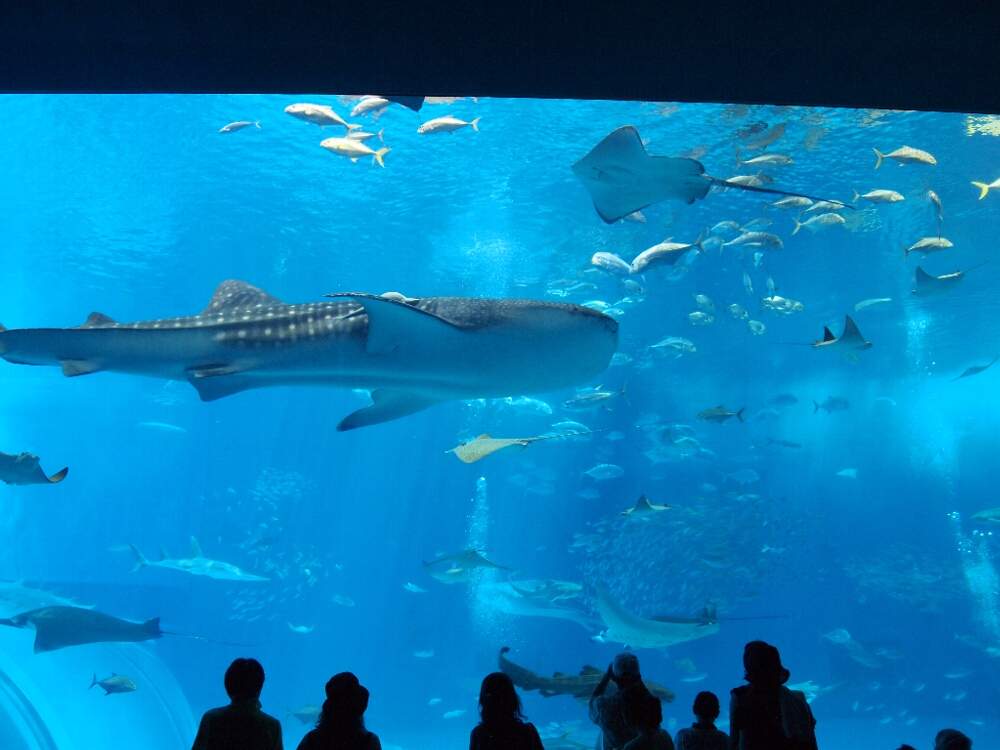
24	469
623	178
59	627
976	369
411	353
580	686
116	683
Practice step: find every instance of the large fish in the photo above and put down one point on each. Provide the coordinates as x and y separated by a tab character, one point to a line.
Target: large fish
59	627
411	353
638	632
25	469
580	686
197	564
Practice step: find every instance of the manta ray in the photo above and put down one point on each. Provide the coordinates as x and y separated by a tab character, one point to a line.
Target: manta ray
623	178
197	564
580	686
25	469
410	353
59	627
638	632
644	509
850	340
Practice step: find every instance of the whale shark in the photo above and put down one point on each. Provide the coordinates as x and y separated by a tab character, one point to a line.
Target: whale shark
59	627
638	632
25	469
197	564
579	686
410	353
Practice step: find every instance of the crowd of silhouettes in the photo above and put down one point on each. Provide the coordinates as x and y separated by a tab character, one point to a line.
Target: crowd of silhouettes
763	714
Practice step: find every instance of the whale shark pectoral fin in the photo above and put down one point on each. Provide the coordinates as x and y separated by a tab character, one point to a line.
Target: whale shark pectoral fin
73	367
388	405
214	385
392	322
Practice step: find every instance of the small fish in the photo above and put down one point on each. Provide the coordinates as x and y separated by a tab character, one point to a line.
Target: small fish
737	312
758	239
761	222
927	245
611	263
756	327
905	155
704	302
826	206
162	427
880	196
958	674
360	135
116	683
761	140
862	305
454	714
777	159
301	628
935	202
675	344
433	701
743	476
354	150
719	414
695	678
239	125
818	222
700	319
619	359
783	443
781	305
757	258
725	227
447	124
849	473
320	114
604	471
771	286
747	283
593	399
635	217
666	253
343	600
369	104
414	588
786	204
832	404
424	654
984	188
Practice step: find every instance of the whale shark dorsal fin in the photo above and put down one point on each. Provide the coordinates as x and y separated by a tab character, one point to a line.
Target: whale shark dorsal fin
392	323
195	548
387	404
587	669
163	554
96	319
239	294
851	333
828	335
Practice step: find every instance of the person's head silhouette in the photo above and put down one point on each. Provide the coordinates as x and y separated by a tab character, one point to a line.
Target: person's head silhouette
706	707
763	665
951	739
625	669
244	680
345	704
499	702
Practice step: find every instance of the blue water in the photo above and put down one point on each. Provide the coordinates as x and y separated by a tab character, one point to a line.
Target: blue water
136	206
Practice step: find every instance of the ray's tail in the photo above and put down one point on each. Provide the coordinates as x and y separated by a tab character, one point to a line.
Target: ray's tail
772	191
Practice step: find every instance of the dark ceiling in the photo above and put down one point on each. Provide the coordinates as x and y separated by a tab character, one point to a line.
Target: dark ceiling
879	53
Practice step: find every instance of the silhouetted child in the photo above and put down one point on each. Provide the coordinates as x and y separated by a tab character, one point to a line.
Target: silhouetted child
703	735
502	725
644	713
241	725
341	724
951	739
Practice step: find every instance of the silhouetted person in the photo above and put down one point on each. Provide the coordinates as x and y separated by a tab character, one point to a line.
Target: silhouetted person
644	713
606	710
951	739
241	725
702	735
904	746
502	725
341	724
765	715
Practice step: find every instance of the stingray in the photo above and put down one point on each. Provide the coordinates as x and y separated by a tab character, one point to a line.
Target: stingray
580	686
976	369
623	178
25	469
644	509
933	286
850	340
59	627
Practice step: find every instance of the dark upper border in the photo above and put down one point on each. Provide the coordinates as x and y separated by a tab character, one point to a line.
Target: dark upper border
880	53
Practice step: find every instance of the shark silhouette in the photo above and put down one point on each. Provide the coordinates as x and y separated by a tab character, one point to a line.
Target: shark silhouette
580	686
410	353
197	564
25	469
